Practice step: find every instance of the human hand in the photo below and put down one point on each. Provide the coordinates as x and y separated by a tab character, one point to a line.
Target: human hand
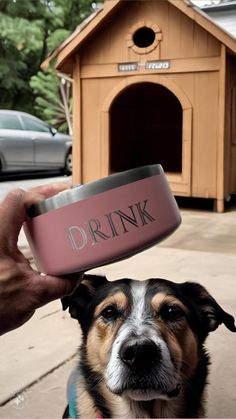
22	289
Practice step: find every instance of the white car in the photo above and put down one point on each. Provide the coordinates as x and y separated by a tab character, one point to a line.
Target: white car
29	144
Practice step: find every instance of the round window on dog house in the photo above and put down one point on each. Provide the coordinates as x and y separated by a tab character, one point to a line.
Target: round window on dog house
144	37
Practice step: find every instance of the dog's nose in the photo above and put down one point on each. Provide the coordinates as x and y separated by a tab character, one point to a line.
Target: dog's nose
140	355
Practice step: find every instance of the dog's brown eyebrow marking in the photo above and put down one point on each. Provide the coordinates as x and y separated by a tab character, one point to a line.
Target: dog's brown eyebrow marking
160	298
119	299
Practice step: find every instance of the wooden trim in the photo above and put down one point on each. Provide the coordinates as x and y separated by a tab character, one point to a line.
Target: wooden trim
233	115
72	46
139	25
68	40
188	65
181	183
158	79
183	180
187	148
77	122
104	138
221	133
177	187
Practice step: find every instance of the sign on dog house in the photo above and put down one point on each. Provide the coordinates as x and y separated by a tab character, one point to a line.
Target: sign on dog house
154	82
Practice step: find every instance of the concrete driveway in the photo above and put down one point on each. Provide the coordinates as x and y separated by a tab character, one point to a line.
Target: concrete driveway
36	359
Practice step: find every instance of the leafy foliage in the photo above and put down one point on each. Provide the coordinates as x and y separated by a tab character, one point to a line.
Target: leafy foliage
29	29
53	99
20	46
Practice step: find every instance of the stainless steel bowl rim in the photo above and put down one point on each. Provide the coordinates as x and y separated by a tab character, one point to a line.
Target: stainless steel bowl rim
81	192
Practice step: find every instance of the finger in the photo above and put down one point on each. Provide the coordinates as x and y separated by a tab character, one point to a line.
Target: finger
12	216
51	288
51	188
38	193
13	210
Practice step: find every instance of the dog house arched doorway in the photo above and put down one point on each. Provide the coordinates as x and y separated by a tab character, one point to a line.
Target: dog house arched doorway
148	120
146	128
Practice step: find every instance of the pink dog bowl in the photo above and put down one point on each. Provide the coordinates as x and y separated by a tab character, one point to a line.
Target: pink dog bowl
102	222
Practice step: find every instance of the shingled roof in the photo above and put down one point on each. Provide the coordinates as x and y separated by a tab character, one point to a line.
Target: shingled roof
224	15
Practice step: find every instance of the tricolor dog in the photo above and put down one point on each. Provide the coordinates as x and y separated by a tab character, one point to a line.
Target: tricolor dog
142	353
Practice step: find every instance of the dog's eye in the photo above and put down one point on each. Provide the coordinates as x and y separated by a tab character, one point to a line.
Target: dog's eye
171	313
110	313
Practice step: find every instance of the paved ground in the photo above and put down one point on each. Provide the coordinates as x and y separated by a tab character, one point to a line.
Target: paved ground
8	183
35	360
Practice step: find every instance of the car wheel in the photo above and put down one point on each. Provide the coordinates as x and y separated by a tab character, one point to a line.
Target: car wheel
68	163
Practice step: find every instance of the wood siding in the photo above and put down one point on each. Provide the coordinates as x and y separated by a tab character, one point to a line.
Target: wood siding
202	91
197	70
182	37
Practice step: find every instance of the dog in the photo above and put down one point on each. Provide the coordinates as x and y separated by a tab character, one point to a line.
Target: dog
142	353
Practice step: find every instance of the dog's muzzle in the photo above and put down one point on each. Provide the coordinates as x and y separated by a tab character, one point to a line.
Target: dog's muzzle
144	374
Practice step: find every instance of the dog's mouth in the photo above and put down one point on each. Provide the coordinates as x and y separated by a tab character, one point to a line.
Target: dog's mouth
146	394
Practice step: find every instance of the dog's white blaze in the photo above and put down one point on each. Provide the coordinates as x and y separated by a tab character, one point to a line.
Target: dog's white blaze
138	291
136	324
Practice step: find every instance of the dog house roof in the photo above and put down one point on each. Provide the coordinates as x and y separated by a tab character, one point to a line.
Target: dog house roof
63	54
223	14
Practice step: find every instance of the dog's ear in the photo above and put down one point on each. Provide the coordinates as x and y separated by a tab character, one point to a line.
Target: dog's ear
79	300
211	313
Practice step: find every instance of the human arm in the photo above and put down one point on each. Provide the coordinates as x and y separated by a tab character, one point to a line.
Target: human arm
22	289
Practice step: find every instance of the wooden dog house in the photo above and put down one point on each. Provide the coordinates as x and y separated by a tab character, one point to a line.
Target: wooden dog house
154	82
